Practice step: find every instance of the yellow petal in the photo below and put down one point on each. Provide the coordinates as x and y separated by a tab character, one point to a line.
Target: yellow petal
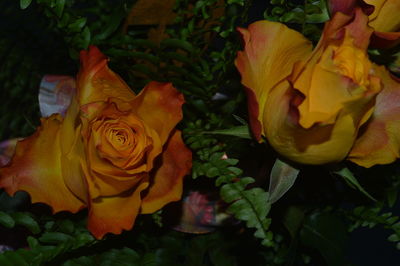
270	51
385	17
318	144
337	73
36	168
116	213
72	153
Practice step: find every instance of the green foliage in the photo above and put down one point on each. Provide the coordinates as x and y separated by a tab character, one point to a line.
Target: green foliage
120	257
352	181
51	239
304	16
249	205
371	216
325	232
24	3
26	219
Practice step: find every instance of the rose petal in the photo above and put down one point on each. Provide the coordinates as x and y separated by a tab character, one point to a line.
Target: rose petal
346	7
96	82
114	214
329	78
386	23
176	161
385	17
379	142
159	105
103	177
270	51
36	169
318	144
385	39
72	152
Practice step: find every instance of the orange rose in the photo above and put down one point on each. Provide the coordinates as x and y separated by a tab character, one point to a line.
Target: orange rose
317	106
116	153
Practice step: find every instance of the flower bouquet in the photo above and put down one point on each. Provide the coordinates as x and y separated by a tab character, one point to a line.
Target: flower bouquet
204	132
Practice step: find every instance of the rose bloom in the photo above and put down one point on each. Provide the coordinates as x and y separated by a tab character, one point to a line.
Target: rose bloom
321	105
383	17
116	153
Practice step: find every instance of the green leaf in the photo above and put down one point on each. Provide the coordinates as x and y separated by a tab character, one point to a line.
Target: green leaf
177	43
121	257
293	220
25	219
295	16
15	259
6	220
54	238
114	22
282	179
24	3
327	234
212	172
240	120
239	2
77	25
391	195
317	12
59	8
85	38
239	131
250	206
393	238
32	242
352	181
66	226
231	192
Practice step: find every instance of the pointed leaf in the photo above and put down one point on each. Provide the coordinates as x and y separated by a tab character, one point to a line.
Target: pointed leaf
352	181
282	179
6	220
239	131
26	220
24	3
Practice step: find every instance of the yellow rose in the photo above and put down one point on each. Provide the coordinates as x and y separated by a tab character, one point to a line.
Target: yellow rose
314	105
116	153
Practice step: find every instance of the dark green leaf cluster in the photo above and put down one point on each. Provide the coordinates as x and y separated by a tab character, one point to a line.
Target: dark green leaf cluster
247	204
304	16
371	216
120	257
26	219
51	238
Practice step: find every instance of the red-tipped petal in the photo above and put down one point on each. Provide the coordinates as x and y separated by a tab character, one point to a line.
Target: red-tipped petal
271	49
96	82
166	185
380	141
159	105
